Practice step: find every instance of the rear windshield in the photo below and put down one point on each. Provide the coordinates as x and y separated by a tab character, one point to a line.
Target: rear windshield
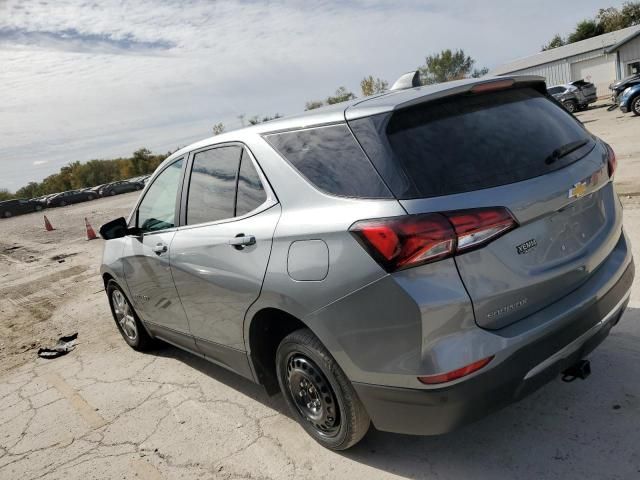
471	142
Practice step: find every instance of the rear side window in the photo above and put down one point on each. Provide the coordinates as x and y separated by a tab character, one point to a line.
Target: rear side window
212	185
472	142
251	193
330	158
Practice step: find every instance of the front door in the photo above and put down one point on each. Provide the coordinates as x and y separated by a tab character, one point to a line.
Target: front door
146	259
220	256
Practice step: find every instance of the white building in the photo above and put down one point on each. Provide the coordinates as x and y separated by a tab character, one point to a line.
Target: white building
600	60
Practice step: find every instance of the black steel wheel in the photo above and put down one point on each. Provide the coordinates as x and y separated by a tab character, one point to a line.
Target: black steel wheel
312	394
318	393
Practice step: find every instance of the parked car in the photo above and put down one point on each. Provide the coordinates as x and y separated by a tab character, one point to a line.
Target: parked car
621	85
415	259
70	197
630	100
11	208
574	97
116	188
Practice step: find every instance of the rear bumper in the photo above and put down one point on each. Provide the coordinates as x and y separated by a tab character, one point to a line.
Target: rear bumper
437	411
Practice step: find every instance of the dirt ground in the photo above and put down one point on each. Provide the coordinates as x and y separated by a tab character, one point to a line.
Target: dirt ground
107	412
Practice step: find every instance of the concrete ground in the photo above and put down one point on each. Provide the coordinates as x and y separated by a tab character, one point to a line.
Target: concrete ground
105	411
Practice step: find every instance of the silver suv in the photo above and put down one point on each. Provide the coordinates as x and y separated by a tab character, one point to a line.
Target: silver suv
414	259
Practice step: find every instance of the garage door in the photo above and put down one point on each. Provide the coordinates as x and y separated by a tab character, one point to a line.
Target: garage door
601	71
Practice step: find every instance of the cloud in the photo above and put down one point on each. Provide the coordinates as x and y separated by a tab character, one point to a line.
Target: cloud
83	79
72	40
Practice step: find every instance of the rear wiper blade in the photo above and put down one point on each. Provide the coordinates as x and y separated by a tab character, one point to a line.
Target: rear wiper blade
565	150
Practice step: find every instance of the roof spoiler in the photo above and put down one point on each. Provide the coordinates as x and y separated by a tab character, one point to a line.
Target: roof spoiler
408	80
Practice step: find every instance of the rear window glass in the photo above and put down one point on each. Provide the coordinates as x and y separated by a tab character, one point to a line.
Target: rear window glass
471	142
331	159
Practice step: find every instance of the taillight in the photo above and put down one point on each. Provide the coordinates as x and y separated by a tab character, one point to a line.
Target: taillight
479	226
492	85
397	243
612	162
455	374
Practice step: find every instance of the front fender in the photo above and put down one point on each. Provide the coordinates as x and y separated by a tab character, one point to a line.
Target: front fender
628	95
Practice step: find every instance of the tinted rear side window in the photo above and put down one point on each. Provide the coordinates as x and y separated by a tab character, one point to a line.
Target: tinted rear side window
466	143
331	159
251	193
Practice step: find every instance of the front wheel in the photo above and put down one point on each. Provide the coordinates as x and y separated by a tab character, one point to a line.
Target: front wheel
635	105
127	320
570	105
318	393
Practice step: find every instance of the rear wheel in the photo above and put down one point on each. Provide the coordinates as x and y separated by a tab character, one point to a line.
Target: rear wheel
127	320
38	208
63	203
318	393
112	193
6	214
635	105
570	105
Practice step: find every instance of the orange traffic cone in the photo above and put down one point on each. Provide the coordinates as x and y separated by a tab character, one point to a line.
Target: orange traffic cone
47	224
91	235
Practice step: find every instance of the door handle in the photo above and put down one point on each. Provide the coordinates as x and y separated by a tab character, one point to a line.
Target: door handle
160	248
241	240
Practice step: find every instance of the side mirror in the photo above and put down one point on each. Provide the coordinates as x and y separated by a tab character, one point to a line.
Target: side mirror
117	228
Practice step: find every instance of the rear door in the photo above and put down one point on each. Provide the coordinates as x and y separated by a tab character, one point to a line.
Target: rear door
515	149
220	256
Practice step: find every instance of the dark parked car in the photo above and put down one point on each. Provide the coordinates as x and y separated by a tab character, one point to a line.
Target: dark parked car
10	208
630	99
574	96
123	186
621	85
72	196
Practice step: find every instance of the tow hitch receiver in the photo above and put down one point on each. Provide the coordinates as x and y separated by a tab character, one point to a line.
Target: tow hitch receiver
581	369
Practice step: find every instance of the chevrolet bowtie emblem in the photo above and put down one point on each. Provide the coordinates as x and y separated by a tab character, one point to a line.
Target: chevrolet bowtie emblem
578	190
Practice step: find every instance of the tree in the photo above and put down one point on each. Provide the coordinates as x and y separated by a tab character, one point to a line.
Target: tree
5	195
313	104
477	73
585	29
139	161
256	119
370	86
218	128
341	95
555	42
446	66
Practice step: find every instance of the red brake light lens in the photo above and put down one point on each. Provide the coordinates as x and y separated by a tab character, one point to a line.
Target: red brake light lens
402	242
479	226
612	162
455	374
397	243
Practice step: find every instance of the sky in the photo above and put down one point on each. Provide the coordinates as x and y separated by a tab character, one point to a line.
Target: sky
81	80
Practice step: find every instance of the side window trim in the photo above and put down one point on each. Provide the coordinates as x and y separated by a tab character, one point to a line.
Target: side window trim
271	200
134	214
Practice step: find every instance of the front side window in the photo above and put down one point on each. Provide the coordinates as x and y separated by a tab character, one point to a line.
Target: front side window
212	186
251	193
157	211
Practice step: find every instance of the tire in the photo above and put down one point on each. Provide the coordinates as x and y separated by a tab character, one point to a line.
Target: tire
318	393
6	214
91	197
38	208
635	105
112	193
570	105
127	320
63	203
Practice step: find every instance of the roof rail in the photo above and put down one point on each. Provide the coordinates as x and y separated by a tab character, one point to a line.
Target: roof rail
408	80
